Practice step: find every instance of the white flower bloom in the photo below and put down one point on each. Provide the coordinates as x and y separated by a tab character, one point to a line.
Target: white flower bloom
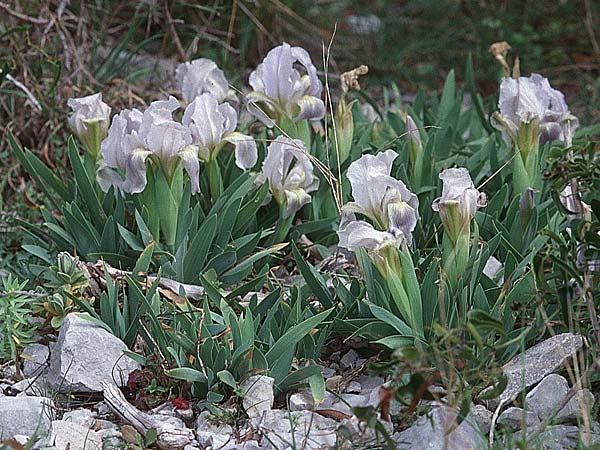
114	151
212	126
386	201
459	202
133	139
200	76
89	120
527	99
280	89
289	172
354	234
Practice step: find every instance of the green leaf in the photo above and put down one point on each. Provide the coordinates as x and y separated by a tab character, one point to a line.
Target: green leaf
244	267
188	374
317	387
143	262
226	378
293	336
297	376
85	188
313	279
197	253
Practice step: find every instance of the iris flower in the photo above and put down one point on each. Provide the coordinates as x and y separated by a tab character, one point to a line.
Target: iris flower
531	100
212	125
200	76
459	202
89	120
289	172
384	200
285	84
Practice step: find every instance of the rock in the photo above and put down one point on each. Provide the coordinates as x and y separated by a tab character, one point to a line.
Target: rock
246	445
483	417
74	436
207	423
333	383
535	363
301	401
374	398
169	409
258	395
580	405
549	393
357	434
281	428
343	403
102	424
34	387
207	439
429	432
35	360
83	417
368	383
349	360
110	433
328	372
86	355
25	415
354	388
514	418
564	437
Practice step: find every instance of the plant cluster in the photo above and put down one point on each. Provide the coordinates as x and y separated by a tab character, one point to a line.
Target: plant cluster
443	216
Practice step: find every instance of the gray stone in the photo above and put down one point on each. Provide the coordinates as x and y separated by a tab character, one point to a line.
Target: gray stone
282	421
374	398
34	387
246	445
579	406
430	432
206	422
301	401
514	418
349	360
483	417
258	395
281	428
368	383
86	355
535	363
333	383
354	387
83	417
74	435
343	403
109	433
564	437
35	360
102	424
207	439
328	372
355	433
25	415
549	393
